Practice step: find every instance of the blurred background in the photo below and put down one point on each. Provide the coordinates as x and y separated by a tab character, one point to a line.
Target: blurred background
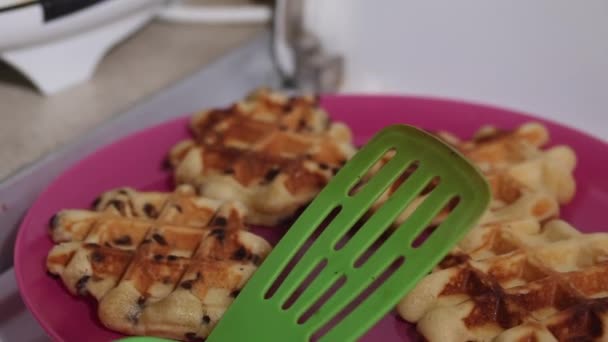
78	74
70	65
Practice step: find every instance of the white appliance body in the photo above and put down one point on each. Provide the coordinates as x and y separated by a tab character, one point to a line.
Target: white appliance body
63	50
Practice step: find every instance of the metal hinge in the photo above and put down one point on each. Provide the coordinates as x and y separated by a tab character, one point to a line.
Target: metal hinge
299	54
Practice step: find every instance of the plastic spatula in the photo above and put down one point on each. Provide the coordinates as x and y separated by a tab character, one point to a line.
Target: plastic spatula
395	266
256	316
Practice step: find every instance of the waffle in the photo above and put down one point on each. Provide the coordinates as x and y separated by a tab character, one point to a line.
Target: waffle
520	274
515	163
526	180
525	282
160	264
270	152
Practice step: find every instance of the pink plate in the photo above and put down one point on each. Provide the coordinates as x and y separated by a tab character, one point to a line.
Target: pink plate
136	161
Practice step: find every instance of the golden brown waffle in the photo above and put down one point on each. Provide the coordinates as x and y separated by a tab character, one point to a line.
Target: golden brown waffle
270	152
523	283
526	180
160	264
518	275
515	163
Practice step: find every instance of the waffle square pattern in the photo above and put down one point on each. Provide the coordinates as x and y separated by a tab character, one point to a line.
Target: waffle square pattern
161	264
270	152
521	274
525	282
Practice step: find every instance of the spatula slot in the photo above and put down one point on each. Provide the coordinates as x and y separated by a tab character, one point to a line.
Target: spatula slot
440	217
324	298
309	279
381	162
421	238
409	209
372	249
300	253
405	175
351	232
418	201
377	282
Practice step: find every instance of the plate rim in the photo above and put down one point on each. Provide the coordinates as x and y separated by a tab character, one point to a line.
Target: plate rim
20	244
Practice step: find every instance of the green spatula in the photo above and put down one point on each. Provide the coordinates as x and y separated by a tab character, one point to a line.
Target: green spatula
327	293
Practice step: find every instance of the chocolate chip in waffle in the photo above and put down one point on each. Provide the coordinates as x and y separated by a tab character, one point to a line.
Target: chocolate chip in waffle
519	282
270	152
160	264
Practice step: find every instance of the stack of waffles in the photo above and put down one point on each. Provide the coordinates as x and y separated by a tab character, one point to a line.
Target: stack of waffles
169	264
521	274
